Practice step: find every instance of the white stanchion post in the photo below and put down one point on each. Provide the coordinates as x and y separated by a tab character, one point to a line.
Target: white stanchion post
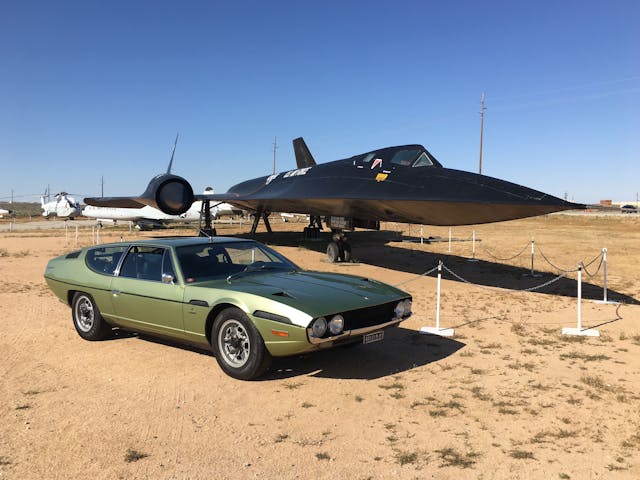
449	239
604	266
604	280
421	236
588	332
532	274
66	231
98	235
130	225
444	332
473	248
93	234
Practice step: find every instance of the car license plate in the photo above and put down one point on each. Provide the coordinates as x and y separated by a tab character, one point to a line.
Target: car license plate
373	337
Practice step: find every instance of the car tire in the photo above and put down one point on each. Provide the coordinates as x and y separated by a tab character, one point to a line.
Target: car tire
238	346
87	318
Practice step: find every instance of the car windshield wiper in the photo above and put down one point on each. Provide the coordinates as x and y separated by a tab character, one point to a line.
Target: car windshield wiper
258	268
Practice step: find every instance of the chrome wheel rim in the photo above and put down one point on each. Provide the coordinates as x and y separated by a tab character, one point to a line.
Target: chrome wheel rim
234	344
85	316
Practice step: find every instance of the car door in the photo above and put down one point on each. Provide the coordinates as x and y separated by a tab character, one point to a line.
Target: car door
145	293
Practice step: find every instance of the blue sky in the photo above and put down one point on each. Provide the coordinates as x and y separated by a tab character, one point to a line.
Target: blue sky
92	88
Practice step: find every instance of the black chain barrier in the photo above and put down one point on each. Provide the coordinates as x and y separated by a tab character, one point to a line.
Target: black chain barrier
563	272
506	259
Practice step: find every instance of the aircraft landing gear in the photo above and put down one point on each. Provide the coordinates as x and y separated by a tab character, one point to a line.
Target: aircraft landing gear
206	230
315	226
260	214
339	249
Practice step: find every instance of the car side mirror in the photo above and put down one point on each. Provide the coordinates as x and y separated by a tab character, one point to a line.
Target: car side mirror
167	278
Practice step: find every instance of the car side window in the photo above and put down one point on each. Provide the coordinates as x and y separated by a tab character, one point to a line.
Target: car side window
144	263
104	259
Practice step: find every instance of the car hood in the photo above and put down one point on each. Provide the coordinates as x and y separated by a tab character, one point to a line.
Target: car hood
316	293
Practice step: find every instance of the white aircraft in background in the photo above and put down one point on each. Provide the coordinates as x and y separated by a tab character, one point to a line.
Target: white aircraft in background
148	217
64	206
4	212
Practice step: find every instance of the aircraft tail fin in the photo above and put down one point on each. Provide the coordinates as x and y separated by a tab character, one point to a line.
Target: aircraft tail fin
173	152
304	158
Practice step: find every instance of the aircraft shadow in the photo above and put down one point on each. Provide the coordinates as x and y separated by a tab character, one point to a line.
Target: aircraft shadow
401	350
373	248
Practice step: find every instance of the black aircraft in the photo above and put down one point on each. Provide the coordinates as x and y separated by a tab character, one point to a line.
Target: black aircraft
396	184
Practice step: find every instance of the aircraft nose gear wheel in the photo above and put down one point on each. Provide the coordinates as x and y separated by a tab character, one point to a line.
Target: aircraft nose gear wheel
238	346
339	250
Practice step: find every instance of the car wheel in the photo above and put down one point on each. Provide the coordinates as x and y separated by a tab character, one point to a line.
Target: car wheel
333	252
87	318
238	346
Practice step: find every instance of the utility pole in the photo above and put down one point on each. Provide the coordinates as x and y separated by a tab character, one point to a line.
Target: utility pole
275	146
482	109
12	196
102	186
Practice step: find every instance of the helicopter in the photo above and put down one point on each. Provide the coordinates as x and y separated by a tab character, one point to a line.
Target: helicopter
64	206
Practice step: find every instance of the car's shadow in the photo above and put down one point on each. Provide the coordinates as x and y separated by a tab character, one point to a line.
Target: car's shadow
374	248
402	349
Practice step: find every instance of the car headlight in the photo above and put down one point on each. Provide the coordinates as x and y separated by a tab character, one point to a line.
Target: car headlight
407	307
336	324
319	327
399	310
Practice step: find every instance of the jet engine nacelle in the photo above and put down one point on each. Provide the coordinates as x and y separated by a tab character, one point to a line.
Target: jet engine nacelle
169	193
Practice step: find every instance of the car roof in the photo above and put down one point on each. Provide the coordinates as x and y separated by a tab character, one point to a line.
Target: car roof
179	241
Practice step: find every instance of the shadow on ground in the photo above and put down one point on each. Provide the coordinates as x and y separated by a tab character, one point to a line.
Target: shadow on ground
380	249
401	350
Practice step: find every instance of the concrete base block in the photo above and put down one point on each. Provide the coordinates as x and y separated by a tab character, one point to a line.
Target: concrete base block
586	332
443	332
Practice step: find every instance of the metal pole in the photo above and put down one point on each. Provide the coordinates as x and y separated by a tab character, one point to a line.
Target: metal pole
449	239
482	109
66	231
93	239
532	254
604	269
474	245
438	296
580	297
275	146
421	236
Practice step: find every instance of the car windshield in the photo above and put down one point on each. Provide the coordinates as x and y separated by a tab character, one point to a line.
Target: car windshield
210	261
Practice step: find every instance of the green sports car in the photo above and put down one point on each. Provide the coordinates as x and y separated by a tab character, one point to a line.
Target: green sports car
239	297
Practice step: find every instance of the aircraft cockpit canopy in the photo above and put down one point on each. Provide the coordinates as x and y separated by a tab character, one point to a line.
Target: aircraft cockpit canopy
413	156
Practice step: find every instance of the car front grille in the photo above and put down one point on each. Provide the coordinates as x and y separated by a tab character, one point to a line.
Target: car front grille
369	316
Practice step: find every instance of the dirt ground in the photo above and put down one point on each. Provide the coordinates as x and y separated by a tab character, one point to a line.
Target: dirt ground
507	397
